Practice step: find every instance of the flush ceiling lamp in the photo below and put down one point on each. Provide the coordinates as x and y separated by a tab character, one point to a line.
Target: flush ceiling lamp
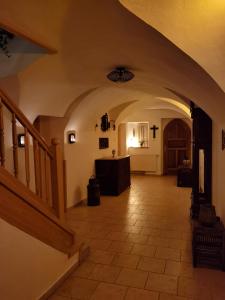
120	74
5	38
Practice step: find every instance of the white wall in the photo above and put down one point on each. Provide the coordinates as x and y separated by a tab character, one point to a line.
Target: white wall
158	117
80	157
28	266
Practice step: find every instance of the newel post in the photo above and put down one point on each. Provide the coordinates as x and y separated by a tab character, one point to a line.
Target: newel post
57	179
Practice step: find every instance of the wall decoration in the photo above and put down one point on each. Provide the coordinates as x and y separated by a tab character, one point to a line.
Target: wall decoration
154	128
223	139
103	143
105	122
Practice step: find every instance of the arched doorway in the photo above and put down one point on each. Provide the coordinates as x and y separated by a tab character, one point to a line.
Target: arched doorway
176	145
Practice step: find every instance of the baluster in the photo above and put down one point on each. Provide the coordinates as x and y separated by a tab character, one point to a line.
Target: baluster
2	148
40	171
65	184
57	175
15	145
36	166
46	177
27	158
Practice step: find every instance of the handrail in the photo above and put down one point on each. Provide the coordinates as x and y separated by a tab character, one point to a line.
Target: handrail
24	121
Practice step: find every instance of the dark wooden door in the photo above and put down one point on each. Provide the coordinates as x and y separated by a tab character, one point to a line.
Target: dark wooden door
177	145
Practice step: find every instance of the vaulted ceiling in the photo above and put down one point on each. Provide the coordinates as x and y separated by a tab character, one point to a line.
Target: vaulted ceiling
174	49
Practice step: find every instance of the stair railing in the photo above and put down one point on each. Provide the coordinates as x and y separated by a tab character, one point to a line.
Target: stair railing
45	162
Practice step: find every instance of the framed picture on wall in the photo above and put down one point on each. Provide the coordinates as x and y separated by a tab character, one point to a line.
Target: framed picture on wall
103	143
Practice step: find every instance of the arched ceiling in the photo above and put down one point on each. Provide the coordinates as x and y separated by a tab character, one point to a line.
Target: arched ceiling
196	27
92	37
82	118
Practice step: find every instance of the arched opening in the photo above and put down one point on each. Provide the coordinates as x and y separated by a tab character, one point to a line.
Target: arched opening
176	145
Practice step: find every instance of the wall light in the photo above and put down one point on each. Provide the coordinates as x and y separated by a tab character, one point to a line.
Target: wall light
21	140
72	137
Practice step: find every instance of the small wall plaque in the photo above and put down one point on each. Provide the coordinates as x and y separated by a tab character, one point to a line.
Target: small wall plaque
103	143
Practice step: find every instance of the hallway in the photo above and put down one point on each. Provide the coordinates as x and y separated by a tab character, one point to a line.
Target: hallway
140	247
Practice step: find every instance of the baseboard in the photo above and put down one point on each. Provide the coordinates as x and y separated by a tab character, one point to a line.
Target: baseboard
83	251
58	282
80	202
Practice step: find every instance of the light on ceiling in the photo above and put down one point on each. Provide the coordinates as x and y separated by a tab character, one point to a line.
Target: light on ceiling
120	74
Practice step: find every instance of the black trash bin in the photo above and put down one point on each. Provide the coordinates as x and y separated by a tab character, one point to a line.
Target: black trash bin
93	190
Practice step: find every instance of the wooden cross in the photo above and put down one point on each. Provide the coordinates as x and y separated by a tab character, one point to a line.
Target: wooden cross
154	128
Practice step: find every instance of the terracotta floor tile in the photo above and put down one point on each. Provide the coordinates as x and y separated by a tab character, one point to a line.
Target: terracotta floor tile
152	232
153	211
179	269
78	288
152	264
126	260
99	244
140	294
84	270
158	241
106	291
168	253
133	278
162	283
186	256
143	250
120	247
101	257
105	273
137	238
188	287
117	236
164	296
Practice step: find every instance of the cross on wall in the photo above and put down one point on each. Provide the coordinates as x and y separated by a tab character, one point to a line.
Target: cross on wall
154	128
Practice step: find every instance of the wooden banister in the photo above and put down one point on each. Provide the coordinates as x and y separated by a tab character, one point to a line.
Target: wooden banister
47	206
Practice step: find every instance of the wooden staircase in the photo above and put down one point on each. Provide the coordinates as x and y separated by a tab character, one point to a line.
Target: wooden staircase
32	185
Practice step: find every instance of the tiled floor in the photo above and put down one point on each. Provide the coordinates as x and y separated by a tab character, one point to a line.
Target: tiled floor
140	247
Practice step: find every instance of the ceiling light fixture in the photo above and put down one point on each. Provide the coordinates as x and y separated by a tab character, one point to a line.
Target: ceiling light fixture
120	74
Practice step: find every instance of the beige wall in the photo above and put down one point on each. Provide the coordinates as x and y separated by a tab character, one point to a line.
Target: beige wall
28	266
80	157
158	117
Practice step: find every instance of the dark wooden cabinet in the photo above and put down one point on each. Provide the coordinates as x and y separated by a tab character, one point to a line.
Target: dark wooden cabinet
113	174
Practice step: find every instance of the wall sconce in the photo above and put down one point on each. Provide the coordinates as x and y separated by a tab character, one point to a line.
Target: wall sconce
72	137
21	140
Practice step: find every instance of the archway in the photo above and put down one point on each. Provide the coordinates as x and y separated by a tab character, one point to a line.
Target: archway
176	145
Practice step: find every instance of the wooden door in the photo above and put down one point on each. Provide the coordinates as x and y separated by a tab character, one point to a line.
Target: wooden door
177	145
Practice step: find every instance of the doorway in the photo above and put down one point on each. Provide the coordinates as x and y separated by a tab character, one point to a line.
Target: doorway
176	145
